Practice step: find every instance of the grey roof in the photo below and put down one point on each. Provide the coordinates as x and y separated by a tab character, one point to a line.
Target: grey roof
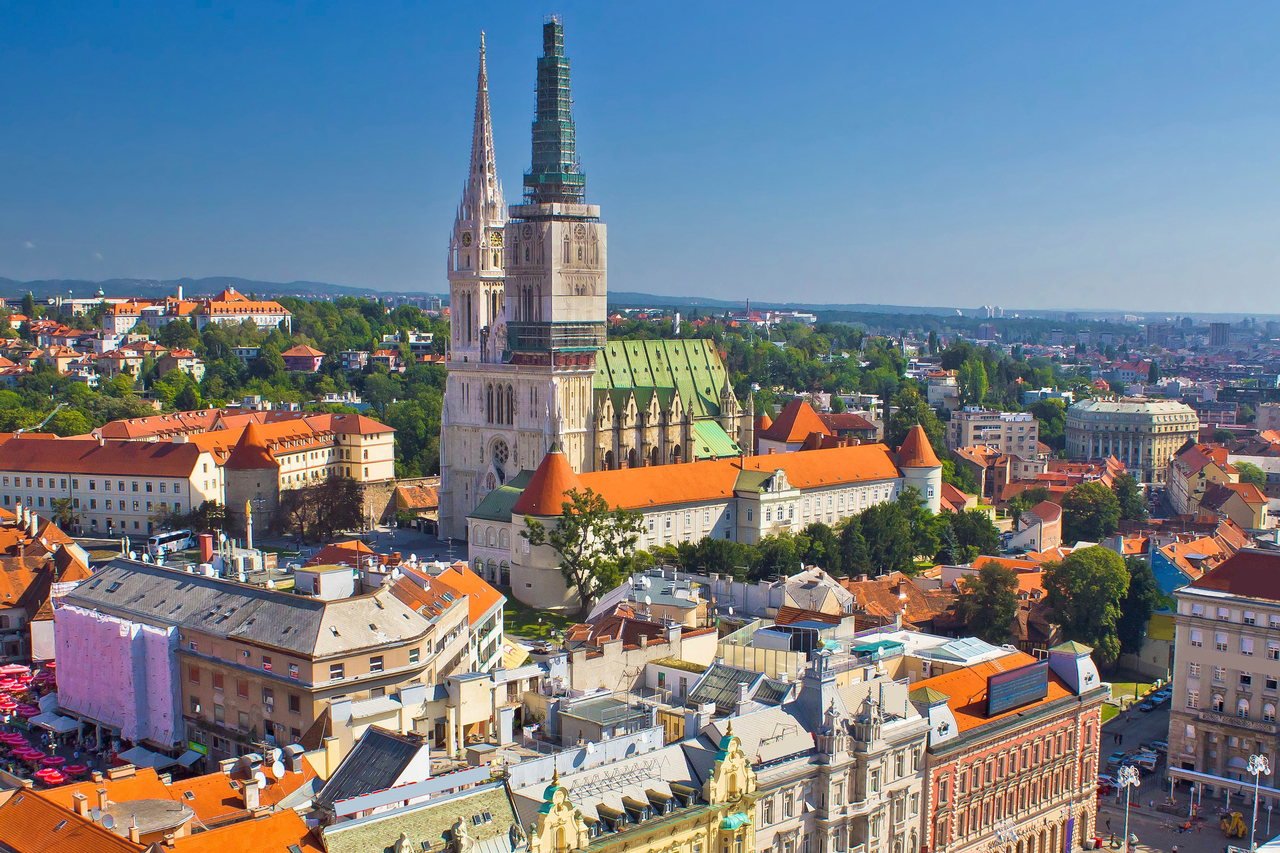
157	595
374	764
767	735
719	684
771	692
429	825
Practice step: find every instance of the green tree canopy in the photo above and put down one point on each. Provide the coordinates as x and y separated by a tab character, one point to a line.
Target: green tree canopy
912	410
1250	473
1090	513
1129	496
989	602
1141	600
1085	592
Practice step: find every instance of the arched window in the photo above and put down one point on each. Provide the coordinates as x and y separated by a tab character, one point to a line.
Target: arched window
675	455
477	535
504	539
632	459
654	458
608	460
566	248
595	250
511	405
491	535
500	416
488	406
1242	708
1269	712
1217	703
504	573
491	574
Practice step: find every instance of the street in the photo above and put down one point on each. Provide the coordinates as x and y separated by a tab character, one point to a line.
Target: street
1157	830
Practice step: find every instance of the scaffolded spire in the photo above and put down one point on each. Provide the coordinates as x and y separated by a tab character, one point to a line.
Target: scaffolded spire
482	197
556	176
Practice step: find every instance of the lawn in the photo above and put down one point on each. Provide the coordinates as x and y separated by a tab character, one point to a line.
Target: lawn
1109	711
1124	689
521	620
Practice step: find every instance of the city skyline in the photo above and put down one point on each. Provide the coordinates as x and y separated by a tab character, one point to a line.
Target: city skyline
1116	168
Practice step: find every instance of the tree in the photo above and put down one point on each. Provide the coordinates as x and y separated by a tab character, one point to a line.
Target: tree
989	602
837	404
1052	417
1250	473
949	551
912	410
821	547
890	544
972	379
1090	512
854	557
776	556
29	305
187	399
1085	592
1132	506
933	342
1223	436
923	523
1142	599
1245	414
590	540
321	509
64	513
1153	372
1026	499
975	533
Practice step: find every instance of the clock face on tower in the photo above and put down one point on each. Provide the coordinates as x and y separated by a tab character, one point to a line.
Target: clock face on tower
466	238
495	239
528	231
580	231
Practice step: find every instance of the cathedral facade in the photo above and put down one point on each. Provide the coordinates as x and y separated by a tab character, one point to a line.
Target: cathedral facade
529	363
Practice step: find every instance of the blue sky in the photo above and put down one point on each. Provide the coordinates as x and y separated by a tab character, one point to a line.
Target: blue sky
1021	154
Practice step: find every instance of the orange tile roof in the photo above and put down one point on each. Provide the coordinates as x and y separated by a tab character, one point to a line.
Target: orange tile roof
86	456
795	423
31	824
916	452
302	350
251	451
144	784
481	597
341	553
271	833
545	493
966	690
635	488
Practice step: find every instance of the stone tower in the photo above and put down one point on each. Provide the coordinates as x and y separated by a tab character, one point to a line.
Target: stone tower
556	261
527	306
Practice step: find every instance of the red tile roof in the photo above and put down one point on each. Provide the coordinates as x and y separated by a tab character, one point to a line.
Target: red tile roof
1250	573
87	456
916	452
462	581
251	451
31	824
966	690
545	493
795	423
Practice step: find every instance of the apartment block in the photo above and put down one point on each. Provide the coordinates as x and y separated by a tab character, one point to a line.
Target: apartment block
1011	433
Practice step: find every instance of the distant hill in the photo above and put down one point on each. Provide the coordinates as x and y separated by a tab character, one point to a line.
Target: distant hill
158	288
632	299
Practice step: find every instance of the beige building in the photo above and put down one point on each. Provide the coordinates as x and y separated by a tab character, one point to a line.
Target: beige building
1011	433
1142	433
115	487
1226	677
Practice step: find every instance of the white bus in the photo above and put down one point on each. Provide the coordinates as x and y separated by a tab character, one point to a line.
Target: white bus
173	540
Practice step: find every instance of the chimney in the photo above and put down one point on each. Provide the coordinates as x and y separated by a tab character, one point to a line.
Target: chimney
250	794
772	450
96	775
81	804
226	765
31	528
102	798
135	832
330	755
102	442
644	641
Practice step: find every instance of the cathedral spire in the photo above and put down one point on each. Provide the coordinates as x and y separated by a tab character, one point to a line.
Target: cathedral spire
482	197
555	176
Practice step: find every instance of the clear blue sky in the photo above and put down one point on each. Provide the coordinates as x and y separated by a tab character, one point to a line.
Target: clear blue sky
1025	154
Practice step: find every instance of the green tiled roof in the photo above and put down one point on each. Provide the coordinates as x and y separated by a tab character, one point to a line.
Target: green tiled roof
710	441
497	505
691	366
486	811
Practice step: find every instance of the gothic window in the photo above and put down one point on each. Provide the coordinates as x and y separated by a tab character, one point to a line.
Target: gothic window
675	455
608	460
632	460
495	259
526	254
595	250
488	409
500	415
579	254
566	248
511	405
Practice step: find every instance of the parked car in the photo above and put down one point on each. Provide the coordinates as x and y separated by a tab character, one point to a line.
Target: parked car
1146	706
1116	758
1144	761
1160	746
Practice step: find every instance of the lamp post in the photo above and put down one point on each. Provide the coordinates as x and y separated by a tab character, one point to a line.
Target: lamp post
1127	778
1258	766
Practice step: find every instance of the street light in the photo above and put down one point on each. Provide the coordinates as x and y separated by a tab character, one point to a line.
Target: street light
1127	778
1258	766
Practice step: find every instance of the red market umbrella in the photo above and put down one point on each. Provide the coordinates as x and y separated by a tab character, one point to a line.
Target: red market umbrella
51	664
75	769
54	761
13	738
8	684
7	704
49	776
27	710
15	669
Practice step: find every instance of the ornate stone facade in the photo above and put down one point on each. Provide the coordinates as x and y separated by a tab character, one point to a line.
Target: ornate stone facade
528	362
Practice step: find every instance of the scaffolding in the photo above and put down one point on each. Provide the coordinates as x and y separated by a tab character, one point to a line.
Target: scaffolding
556	175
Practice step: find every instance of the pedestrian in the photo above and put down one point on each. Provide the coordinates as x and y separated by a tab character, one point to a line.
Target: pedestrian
1108	824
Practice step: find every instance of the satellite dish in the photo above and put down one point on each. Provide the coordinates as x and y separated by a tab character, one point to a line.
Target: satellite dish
648	600
133	555
95	814
277	769
591	748
108	821
275	753
260	779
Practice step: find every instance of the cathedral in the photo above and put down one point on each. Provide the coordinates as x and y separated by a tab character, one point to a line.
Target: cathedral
528	359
